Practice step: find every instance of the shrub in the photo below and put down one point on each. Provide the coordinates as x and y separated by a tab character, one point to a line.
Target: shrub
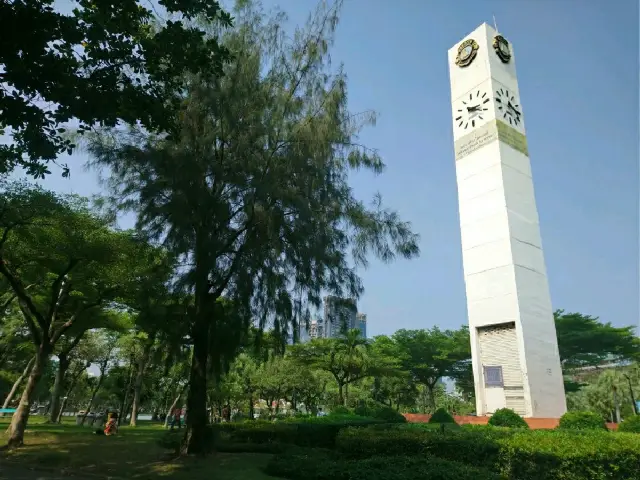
516	454
311	432
435	427
474	448
380	412
316	465
340	410
567	455
505	417
441	416
630	425
582	421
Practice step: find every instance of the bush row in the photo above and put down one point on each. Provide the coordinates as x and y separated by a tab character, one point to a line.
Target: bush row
522	455
311	433
319	465
304	432
630	425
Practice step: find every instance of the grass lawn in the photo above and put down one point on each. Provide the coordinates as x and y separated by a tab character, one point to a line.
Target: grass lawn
69	450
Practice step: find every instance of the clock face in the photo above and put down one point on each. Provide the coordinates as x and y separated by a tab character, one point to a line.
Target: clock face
508	107
471	110
466	52
501	46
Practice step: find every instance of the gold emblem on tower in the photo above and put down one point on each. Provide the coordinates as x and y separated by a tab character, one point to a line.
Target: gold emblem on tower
467	51
501	46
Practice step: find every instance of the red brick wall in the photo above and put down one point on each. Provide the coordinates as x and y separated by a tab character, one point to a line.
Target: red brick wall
534	423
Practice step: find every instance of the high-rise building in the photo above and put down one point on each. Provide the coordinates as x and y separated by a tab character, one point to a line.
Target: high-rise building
339	316
314	331
361	324
514	349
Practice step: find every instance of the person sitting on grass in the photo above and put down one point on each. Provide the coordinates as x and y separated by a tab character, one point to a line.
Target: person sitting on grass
111	428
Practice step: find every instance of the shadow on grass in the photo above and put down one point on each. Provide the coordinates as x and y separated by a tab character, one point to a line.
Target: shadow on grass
132	453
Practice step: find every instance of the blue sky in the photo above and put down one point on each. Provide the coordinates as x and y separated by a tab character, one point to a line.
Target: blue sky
578	75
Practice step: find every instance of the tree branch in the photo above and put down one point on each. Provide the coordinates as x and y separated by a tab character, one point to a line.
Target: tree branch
33	328
21	293
55	335
72	345
58	290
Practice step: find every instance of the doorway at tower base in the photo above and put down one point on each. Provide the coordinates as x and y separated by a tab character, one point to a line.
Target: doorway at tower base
499	359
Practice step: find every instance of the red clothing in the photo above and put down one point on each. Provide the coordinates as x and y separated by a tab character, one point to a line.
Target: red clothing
112	427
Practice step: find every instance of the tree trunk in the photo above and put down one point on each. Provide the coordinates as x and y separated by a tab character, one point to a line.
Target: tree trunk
21	415
137	388
17	383
616	404
432	396
72	384
103	368
123	406
341	400
195	439
633	397
174	405
251	409
195	436
54	409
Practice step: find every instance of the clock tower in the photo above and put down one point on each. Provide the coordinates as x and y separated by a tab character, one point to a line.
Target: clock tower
516	363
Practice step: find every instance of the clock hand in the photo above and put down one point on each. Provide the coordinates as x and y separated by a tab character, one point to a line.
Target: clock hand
513	108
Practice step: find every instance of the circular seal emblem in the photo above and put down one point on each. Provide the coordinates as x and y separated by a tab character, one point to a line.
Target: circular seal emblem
501	46
467	51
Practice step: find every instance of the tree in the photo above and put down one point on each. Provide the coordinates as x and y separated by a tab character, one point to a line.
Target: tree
347	359
106	343
16	352
18	382
430	355
272	382
69	342
309	387
253	192
584	341
160	319
244	372
77	368
63	264
104	62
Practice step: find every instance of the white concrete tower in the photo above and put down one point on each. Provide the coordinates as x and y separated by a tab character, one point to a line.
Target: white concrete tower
514	347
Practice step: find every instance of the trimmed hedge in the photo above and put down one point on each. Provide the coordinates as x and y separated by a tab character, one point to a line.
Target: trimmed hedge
475	448
516	454
630	425
441	416
312	432
381	412
318	465
582	421
505	417
564	455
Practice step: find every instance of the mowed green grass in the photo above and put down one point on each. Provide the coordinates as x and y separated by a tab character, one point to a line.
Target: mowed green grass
70	450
